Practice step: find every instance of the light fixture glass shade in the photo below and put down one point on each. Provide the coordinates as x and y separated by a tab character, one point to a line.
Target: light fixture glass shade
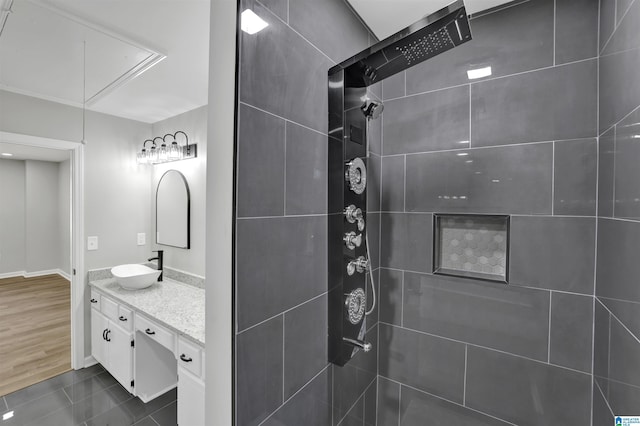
175	151
152	155
141	157
163	153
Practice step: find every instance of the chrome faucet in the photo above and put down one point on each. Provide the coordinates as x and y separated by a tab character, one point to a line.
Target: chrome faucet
159	259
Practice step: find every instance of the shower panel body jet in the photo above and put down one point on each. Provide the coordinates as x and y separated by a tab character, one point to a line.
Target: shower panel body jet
349	111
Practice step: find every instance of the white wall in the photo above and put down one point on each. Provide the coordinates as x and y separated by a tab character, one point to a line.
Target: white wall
42	239
64	216
12	216
194	124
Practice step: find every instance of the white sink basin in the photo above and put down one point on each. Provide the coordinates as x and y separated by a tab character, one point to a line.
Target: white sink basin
135	276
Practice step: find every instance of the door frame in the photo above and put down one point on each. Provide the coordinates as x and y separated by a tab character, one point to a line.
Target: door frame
77	272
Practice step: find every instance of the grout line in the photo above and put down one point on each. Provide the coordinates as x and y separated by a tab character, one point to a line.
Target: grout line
609	345
629	385
447	400
549	335
283	216
67	395
555	17
497	9
356	403
400	405
402	301
470	115
464	385
621	323
281	313
475	345
283	361
615	151
618	300
404	189
477	148
604	398
540	216
377	392
553	177
283	118
593	350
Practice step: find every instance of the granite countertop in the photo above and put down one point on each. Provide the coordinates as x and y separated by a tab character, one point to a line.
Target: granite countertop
177	306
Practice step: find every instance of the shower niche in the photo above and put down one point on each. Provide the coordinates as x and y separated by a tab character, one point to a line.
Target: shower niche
350	288
471	246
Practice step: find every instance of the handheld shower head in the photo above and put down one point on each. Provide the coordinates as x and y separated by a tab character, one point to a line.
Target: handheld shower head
372	109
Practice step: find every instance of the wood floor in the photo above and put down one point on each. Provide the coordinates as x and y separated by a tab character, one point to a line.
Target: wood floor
35	330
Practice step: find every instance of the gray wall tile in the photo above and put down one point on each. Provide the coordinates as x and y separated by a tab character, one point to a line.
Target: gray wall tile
626	35
618	269
277	66
374	182
278	7
626	312
406	241
601	341
311	406
355	416
427	122
394	86
371	405
512	40
606	151
624	355
375	135
575	175
388	402
526	392
373	238
417	406
347	35
390	296
306	171
353	379
305	344
619	86
621	9
607	20
510	319
425	362
601	413
556	253
627	174
260	165
393	184
549	104
259	372
482	181
571	331
623	398
576	30
271	282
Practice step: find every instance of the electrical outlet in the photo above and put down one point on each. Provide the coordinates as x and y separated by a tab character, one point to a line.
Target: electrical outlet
142	238
92	243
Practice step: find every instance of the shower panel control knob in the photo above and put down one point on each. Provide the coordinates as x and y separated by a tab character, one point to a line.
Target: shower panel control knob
356	175
353	215
352	240
361	264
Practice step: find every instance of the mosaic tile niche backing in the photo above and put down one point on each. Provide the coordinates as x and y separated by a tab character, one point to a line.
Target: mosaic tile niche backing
475	246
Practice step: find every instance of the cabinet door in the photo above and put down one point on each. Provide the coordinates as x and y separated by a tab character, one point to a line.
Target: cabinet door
120	355
190	399
98	345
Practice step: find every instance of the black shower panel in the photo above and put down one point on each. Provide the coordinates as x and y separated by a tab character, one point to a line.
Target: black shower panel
349	110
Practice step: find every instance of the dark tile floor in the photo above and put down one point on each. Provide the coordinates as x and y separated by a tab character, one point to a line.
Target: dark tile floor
87	397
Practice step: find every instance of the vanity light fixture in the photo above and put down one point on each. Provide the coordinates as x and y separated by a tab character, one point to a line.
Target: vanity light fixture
164	153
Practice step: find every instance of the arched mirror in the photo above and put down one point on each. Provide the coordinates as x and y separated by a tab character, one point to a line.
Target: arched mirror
173	210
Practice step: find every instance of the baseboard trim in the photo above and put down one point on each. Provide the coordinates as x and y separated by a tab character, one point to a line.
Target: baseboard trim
89	361
25	274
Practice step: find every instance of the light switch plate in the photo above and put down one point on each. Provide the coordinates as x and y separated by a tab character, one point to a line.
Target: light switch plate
92	243
142	238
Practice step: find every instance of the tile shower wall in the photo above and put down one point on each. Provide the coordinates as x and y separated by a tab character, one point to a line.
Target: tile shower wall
617	327
282	373
521	142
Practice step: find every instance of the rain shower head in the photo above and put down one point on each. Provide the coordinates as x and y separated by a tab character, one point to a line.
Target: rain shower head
432	35
372	109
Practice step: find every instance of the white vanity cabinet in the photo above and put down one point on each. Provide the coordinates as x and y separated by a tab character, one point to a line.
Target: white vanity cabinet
190	383
111	339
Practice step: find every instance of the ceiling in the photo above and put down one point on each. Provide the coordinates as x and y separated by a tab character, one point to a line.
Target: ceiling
387	17
41	51
27	152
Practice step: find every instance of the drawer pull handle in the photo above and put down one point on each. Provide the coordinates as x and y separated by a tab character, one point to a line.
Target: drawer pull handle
93	301
185	358
149	332
122	318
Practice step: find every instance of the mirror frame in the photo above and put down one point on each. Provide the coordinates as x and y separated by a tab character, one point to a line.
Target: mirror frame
186	185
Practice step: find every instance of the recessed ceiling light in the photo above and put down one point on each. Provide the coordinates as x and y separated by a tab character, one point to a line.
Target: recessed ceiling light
252	23
479	73
6	154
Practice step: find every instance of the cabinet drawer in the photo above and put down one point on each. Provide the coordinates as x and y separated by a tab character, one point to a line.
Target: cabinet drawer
190	356
109	308
95	299
125	318
156	332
